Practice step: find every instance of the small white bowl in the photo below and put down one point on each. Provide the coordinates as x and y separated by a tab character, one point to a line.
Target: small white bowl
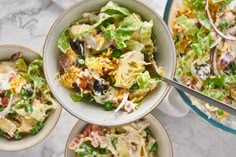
6	51
157	129
94	113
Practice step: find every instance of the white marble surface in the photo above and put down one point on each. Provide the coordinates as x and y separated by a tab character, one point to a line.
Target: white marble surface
26	22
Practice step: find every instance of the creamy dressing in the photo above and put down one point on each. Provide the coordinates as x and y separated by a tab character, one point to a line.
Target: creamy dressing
7	71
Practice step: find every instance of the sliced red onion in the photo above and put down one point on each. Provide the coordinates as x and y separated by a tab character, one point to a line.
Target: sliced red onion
7	109
213	61
229	36
226	58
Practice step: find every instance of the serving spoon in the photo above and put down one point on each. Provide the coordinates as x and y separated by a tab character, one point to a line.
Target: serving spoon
205	98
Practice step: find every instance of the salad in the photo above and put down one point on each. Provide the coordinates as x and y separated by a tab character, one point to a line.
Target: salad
25	99
131	140
204	33
105	57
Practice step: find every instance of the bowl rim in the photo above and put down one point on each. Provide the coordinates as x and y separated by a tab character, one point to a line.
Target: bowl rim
167	18
59	107
165	92
73	113
151	116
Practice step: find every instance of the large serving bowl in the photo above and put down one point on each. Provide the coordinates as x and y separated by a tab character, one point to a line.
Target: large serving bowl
6	51
94	113
229	124
159	133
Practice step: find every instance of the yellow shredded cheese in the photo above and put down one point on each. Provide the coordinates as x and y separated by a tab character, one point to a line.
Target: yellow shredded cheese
17	83
70	76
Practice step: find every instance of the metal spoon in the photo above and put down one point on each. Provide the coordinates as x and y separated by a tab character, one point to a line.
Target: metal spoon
211	101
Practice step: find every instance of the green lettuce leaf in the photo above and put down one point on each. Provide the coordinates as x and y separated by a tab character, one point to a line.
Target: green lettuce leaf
146	37
143	80
64	41
214	93
130	25
224	1
134	45
230	79
197	5
114	8
202	41
203	20
217	82
21	65
190	27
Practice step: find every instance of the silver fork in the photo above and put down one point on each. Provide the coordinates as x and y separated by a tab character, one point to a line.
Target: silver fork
205	98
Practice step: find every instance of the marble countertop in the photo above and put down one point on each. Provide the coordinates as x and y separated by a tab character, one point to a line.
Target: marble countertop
27	22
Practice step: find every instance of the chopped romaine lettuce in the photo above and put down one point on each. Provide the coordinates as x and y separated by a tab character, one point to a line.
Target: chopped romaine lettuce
146	38
134	45
217	82
125	30
21	65
217	1
188	24
64	41
203	20
197	49
144	80
114	8
197	5
202	42
230	79
214	93
75	97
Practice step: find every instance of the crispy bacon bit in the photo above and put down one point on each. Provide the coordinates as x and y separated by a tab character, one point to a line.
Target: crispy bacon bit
5	100
64	62
15	56
75	142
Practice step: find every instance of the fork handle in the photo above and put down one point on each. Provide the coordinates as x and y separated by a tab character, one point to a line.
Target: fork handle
214	102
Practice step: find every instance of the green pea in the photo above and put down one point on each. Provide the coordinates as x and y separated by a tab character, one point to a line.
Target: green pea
107	35
1	132
24	92
18	136
81	60
220	112
113	83
108	106
40	125
135	86
8	94
154	147
224	24
1	109
116	53
75	97
28	108
34	130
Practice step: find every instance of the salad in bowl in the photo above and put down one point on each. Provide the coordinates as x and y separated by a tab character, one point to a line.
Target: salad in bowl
204	34
105	57
28	112
26	100
142	138
100	55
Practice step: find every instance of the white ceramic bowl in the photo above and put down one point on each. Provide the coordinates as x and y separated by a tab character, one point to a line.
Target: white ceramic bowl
6	51
159	133
94	113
